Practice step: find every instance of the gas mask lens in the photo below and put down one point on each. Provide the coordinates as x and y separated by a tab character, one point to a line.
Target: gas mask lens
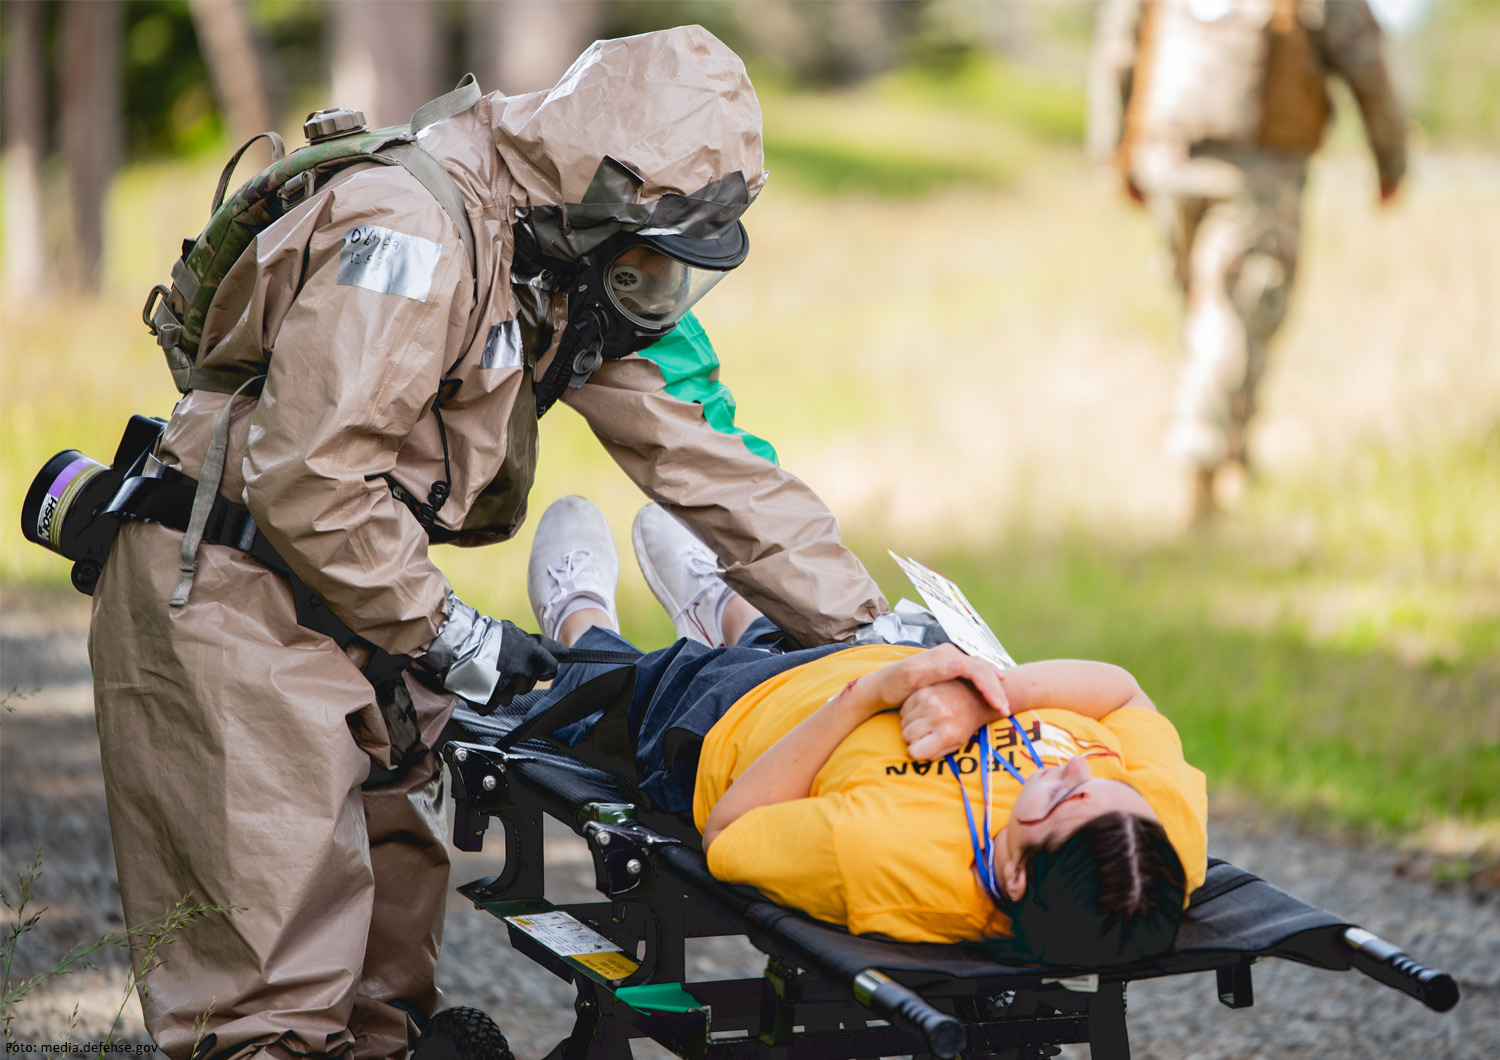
655	290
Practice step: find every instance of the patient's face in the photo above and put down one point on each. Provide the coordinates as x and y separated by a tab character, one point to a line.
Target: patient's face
1056	801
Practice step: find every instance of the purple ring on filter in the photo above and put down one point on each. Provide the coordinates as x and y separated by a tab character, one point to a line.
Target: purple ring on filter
71	479
60	483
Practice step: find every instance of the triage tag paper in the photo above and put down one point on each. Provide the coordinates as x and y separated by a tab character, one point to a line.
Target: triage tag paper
566	936
952	609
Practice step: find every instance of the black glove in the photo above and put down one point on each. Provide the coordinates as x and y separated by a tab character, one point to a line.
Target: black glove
525	659
488	661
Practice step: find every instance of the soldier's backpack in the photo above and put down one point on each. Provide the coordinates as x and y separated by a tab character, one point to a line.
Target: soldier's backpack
336	139
1245	74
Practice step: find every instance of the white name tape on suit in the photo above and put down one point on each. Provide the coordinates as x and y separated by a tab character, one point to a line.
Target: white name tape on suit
502	346
387	262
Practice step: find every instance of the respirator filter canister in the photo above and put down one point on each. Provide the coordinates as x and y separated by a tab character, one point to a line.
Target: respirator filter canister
63	498
65	507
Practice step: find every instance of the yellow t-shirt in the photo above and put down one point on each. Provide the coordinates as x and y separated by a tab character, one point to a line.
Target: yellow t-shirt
881	844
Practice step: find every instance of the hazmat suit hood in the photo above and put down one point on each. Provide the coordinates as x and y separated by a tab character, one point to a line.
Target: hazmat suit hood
658	134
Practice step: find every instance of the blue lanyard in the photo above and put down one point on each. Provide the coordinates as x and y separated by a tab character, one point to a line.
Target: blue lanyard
984	849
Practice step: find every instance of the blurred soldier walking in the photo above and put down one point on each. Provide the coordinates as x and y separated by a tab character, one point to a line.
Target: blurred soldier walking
1209	109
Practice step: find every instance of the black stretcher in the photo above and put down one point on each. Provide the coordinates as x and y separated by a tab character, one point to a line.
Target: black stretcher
825	994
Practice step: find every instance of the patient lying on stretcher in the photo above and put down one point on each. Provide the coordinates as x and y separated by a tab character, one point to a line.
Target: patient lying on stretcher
920	795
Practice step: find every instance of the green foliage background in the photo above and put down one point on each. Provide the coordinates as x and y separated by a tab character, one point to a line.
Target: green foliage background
1446	63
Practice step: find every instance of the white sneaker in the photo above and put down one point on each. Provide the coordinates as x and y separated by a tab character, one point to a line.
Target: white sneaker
683	574
574	564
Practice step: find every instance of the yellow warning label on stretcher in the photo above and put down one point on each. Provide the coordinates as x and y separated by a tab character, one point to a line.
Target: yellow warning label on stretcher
567	936
610	965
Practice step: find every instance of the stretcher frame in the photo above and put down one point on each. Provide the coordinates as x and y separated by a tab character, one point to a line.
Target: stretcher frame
825	994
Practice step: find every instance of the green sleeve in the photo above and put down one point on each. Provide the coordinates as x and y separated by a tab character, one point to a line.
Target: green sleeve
690	368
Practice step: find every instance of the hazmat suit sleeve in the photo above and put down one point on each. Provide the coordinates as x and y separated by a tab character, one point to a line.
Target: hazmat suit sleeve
355	363
778	542
1111	74
1353	45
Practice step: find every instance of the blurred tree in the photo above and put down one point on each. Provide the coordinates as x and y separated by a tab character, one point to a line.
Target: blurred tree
90	118
387	56
234	64
25	147
525	45
292	35
828	43
621	18
169	106
833	42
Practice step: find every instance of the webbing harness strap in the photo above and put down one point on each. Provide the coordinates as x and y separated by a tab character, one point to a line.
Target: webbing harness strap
463	96
203	497
164	324
429	171
214	380
610	745
278	152
432	176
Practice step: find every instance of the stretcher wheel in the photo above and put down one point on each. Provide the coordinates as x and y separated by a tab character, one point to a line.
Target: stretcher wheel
462	1034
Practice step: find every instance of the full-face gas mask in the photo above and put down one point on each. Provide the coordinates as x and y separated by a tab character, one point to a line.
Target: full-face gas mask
626	293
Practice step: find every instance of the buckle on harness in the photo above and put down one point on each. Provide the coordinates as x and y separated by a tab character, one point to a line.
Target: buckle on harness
159	319
295	190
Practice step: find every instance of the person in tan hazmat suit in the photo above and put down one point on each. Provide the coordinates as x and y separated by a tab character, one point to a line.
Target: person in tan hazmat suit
1210	110
246	758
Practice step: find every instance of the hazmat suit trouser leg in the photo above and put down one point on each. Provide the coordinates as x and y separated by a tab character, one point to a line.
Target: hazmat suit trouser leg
1235	258
409	859
232	776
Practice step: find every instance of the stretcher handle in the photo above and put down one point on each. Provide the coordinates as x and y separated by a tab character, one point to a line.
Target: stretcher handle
885	997
1381	960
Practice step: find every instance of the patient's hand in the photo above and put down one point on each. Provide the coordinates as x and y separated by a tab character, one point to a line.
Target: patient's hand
948	696
891	686
939	719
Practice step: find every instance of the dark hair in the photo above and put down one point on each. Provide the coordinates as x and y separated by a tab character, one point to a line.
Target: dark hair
1111	892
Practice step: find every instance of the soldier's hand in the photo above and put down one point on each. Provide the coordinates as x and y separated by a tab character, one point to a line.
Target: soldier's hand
525	659
485	660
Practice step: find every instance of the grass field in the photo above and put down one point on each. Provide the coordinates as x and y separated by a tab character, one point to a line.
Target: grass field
969	351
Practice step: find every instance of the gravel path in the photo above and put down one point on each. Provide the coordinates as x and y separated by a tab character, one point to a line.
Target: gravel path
52	795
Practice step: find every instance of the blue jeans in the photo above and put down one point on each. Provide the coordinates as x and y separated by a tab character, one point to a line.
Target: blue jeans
679	693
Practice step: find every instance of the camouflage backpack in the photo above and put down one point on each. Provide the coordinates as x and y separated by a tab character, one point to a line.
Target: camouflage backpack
336	139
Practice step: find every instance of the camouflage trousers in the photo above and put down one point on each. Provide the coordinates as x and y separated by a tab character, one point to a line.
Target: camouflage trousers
1234	256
